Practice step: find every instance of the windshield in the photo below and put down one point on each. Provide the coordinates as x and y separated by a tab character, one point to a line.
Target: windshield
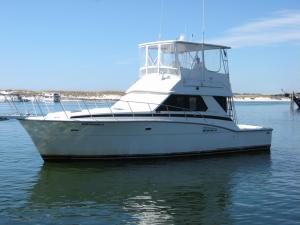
158	59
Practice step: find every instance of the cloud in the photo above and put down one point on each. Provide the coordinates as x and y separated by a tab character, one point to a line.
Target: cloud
282	27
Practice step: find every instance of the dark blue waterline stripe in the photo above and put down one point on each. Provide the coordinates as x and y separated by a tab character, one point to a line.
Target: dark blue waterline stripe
151	156
154	115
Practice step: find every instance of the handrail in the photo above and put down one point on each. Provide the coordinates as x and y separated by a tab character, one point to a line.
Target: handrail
130	109
109	108
64	109
39	107
148	107
25	107
17	110
47	107
86	108
79	105
34	108
184	111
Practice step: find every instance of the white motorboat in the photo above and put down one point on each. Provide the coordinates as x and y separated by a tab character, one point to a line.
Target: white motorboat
180	105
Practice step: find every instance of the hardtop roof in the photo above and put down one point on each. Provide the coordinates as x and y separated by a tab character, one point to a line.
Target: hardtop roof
183	46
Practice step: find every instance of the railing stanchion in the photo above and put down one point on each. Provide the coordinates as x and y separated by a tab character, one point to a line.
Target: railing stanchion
46	106
79	105
150	109
25	108
87	108
17	110
33	107
39	107
130	109
64	109
7	100
108	106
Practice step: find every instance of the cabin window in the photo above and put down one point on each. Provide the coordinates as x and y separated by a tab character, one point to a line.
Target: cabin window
153	56
212	60
167	56
183	103
216	60
158	59
193	103
190	60
222	102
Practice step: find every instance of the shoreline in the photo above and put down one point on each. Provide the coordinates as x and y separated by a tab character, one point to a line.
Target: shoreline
260	99
115	95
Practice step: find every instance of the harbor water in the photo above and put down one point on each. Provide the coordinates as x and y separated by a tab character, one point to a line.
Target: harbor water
260	188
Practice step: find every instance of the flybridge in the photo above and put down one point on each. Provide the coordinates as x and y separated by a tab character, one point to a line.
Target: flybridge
183	58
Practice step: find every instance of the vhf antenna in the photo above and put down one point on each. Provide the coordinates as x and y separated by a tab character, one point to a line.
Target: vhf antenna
203	24
203	61
161	18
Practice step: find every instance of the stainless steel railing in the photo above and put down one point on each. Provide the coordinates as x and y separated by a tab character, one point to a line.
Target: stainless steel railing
38	108
42	108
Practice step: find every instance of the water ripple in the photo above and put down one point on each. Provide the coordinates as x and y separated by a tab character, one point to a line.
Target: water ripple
240	189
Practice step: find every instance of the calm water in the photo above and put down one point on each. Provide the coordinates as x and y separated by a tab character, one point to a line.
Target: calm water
237	189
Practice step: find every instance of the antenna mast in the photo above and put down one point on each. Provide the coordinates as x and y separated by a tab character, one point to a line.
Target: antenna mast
161	18
203	61
203	24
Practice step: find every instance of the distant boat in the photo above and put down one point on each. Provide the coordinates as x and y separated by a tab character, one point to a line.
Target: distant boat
2	118
51	97
296	99
16	98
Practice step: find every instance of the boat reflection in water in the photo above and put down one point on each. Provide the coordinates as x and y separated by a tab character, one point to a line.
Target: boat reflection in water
178	191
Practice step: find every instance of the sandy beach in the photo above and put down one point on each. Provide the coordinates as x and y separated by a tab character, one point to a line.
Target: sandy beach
115	95
260	99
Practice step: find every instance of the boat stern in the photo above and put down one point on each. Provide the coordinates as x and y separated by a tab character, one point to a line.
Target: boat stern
255	136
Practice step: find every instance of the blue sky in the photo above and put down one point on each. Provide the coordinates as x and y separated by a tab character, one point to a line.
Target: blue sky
92	44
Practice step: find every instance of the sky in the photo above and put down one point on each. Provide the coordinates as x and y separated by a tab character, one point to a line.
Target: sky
92	45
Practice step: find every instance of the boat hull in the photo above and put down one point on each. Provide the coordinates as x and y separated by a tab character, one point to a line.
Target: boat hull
70	140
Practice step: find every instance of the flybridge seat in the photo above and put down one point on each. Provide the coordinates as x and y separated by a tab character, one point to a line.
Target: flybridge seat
182	58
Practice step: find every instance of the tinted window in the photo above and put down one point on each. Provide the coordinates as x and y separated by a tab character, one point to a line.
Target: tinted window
183	103
222	102
193	103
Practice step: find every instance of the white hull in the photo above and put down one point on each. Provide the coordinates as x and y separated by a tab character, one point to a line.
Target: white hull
179	106
111	139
